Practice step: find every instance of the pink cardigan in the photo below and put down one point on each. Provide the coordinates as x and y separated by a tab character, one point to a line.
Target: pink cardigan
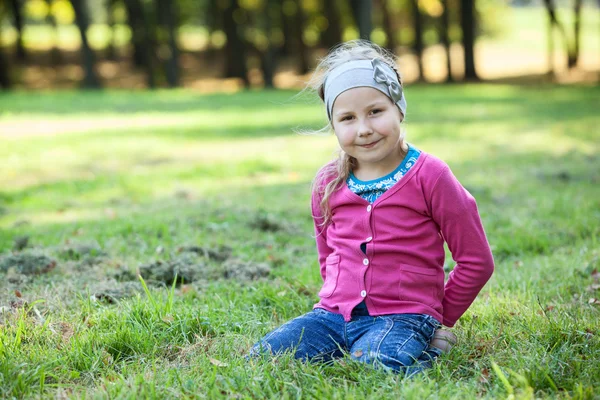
404	231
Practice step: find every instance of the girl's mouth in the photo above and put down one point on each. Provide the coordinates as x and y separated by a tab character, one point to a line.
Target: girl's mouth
368	146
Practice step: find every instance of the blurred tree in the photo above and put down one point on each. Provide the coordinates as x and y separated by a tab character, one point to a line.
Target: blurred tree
362	12
5	82
90	79
111	52
332	35
468	23
385	11
167	34
418	42
572	49
301	50
573	56
16	8
235	49
445	38
55	54
268	52
142	38
137	24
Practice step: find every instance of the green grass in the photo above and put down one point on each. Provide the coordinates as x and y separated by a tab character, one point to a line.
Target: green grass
137	176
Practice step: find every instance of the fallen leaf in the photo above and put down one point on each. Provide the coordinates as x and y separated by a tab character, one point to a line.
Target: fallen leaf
593	287
593	301
217	363
18	293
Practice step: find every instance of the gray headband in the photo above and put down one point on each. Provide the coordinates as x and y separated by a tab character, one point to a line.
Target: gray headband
371	73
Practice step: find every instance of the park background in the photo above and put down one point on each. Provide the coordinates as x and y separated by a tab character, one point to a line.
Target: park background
154	193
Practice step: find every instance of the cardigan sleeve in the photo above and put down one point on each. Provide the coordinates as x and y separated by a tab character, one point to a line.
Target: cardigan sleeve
323	249
454	209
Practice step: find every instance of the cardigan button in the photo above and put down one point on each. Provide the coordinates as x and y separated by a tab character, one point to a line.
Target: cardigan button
366	261
363	293
369	238
369	207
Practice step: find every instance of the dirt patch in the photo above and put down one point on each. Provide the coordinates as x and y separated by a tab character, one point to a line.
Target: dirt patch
218	254
111	292
29	262
245	270
85	253
188	267
20	243
267	223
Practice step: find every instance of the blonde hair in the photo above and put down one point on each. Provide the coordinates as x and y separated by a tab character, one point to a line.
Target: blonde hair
333	175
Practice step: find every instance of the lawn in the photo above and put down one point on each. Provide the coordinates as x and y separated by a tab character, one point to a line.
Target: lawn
98	187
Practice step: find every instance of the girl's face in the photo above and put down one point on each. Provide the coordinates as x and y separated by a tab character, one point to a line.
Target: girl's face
367	126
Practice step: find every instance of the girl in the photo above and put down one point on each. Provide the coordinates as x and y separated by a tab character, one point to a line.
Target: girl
382	212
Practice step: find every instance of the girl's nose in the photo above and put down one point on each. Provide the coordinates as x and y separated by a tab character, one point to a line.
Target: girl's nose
364	129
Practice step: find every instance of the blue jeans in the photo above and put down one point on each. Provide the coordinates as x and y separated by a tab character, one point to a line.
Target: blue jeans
397	342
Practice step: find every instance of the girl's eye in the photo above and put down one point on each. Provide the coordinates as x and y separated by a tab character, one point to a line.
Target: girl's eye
376	111
346	118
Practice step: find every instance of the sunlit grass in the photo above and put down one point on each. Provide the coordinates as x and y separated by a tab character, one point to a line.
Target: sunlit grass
201	170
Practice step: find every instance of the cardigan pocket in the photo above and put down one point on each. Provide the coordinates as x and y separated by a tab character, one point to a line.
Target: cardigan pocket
418	284
332	271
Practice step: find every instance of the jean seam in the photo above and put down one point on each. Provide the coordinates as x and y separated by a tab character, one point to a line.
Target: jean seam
385	335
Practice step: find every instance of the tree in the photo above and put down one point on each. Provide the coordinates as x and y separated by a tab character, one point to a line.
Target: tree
362	10
143	39
111	52
572	48
15	6
5	82
418	43
387	25
235	50
90	79
300	46
332	35
468	23
268	56
445	38
55	52
167	28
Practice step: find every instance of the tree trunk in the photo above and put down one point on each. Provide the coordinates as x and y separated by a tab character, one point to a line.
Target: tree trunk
5	83
445	38
90	81
15	6
167	24
551	69
288	10
555	23
268	59
574	54
362	11
144	42
111	52
332	35
468	23
387	26
235	49
418	42
299	35
135	20
55	54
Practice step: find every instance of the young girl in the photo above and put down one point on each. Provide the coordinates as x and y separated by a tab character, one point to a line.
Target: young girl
382	212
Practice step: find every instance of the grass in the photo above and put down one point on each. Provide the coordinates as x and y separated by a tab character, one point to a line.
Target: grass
107	183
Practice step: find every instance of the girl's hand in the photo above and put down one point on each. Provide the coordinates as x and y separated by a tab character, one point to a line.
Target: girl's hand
443	340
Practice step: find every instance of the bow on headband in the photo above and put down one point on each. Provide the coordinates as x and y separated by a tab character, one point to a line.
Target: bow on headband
380	76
